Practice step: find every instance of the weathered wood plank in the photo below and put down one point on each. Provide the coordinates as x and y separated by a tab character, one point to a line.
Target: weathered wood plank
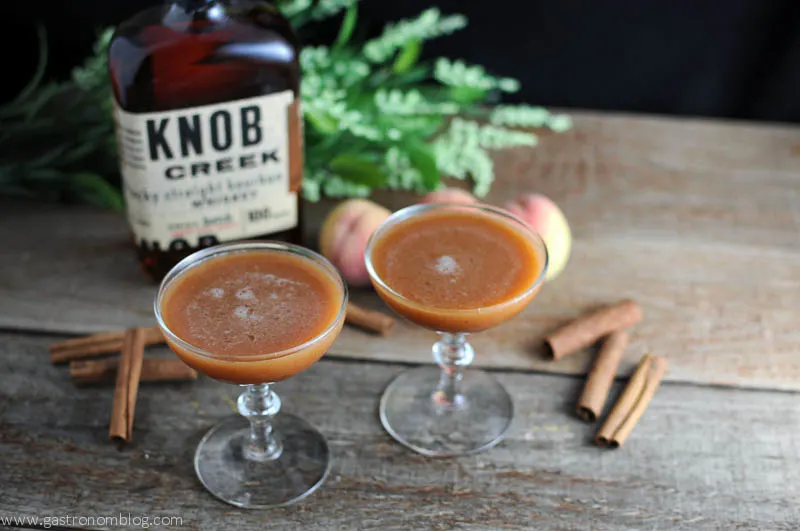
699	221
701	458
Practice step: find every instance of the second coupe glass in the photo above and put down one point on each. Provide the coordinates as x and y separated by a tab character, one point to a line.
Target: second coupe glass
453	269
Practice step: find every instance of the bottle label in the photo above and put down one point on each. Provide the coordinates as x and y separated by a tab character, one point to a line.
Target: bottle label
197	176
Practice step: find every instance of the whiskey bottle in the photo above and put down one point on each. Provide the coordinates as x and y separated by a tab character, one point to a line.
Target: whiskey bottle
209	126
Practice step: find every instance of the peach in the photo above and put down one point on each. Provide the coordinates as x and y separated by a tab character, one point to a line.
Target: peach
544	216
344	235
449	195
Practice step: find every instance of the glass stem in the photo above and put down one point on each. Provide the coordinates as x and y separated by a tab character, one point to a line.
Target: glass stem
259	404
453	354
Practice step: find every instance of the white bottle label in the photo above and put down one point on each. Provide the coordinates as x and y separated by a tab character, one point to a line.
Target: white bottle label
207	174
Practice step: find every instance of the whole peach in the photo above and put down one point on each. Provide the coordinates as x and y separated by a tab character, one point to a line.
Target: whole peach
544	216
449	195
344	235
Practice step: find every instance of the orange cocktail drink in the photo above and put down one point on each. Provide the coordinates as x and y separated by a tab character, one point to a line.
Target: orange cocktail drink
254	314
454	269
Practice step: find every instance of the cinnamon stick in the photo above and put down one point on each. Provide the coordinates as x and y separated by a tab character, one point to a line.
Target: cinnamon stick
97	344
633	401
87	340
88	372
370	320
589	328
601	376
129	372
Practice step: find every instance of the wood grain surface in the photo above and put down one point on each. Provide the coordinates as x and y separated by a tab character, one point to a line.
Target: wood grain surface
698	221
701	458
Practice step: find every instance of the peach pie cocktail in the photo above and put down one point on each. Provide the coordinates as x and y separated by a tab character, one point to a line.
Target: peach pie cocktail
255	313
454	269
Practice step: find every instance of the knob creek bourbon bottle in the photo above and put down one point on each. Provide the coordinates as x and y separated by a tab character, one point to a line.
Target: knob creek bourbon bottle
209	127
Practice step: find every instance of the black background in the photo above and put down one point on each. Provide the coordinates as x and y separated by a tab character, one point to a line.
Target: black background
733	59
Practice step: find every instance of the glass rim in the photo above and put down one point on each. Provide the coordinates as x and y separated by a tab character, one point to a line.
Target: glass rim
408	211
198	257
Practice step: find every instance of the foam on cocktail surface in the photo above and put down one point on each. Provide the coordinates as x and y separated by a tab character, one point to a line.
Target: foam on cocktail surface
255	306
258	305
447	265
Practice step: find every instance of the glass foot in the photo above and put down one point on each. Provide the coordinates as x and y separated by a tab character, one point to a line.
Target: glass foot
411	413
298	471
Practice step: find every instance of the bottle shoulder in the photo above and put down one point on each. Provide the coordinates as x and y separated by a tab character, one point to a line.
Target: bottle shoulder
172	56
241	19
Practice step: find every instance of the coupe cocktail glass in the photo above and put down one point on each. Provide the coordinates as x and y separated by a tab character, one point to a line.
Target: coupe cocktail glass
454	269
216	308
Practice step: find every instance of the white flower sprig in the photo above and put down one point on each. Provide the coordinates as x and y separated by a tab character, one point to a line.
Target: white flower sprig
328	8
324	92
410	103
402	175
459	74
428	25
462	150
528	116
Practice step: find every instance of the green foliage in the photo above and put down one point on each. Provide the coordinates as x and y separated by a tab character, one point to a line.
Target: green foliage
57	140
375	117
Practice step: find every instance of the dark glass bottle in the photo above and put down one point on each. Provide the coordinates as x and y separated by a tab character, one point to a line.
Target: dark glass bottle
208	126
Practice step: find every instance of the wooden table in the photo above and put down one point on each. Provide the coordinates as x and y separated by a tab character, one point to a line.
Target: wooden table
699	221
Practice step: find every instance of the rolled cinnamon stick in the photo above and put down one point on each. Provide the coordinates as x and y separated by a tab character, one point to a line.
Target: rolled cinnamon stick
633	401
601	376
88	372
129	373
98	344
370	320
78	342
587	329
